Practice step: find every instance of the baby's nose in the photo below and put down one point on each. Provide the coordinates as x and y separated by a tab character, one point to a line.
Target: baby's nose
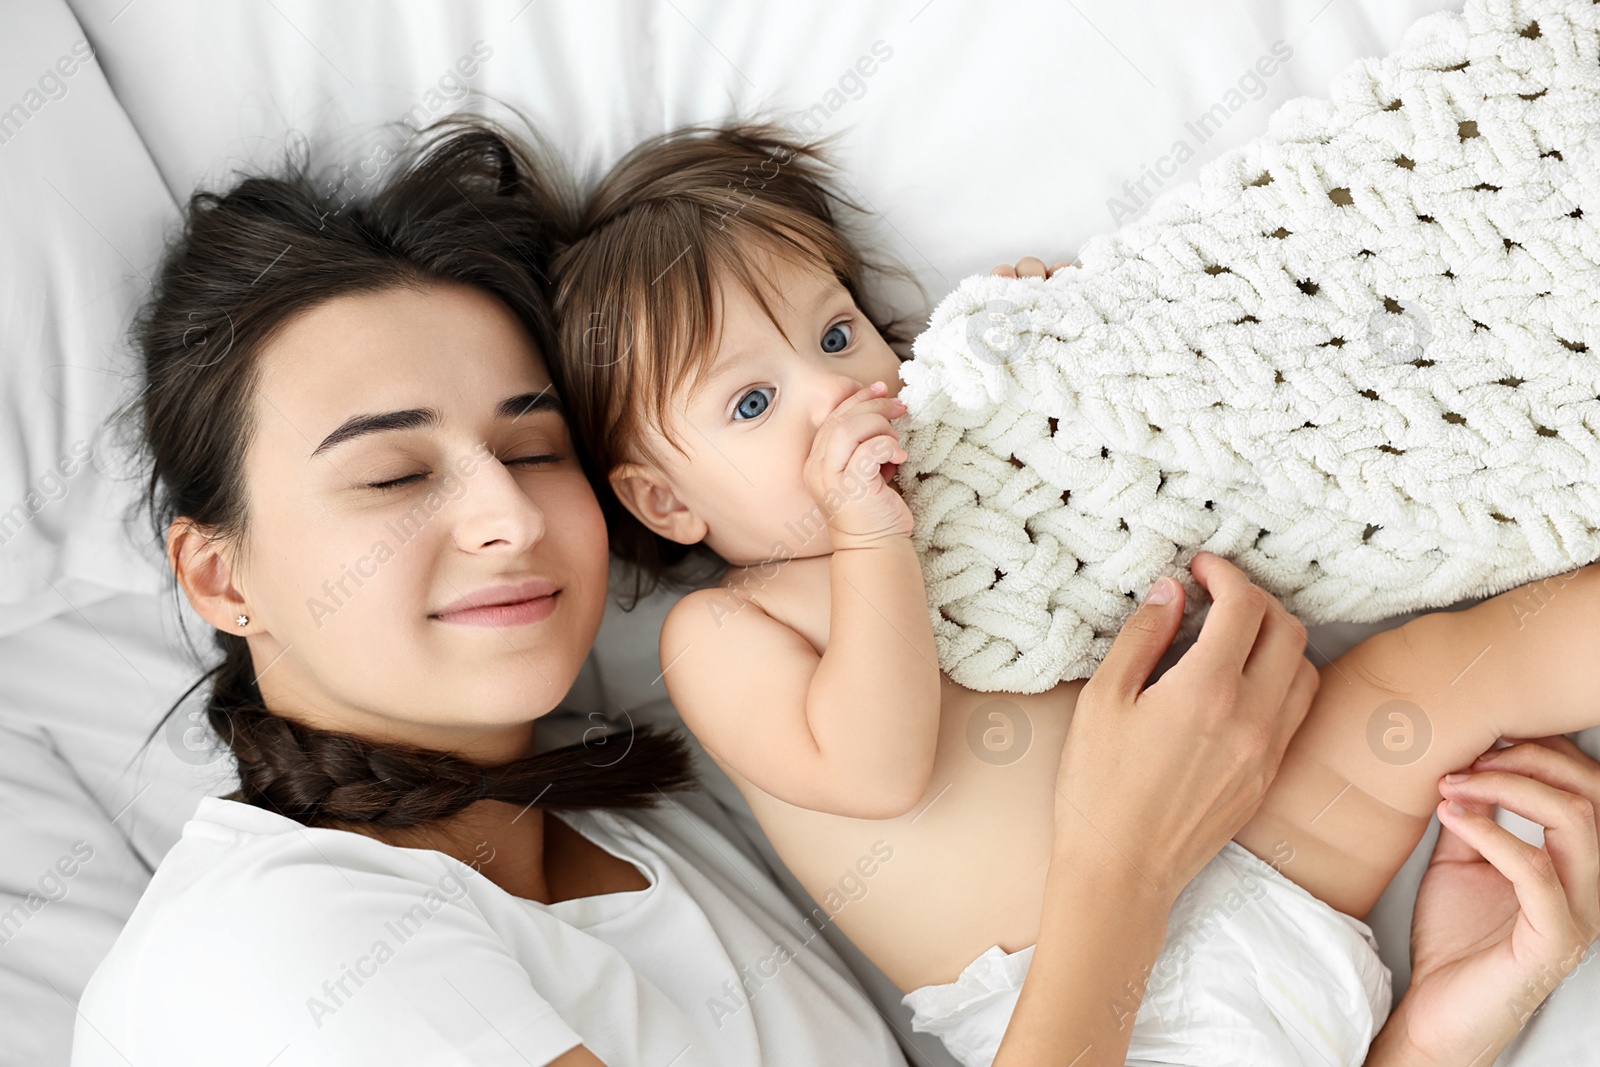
833	390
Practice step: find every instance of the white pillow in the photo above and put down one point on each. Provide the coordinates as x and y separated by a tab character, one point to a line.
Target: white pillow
68	883
80	230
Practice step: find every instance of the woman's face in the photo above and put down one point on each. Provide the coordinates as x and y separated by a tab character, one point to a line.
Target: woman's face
409	452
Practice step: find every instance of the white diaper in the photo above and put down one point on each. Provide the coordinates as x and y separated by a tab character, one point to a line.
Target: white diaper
1256	972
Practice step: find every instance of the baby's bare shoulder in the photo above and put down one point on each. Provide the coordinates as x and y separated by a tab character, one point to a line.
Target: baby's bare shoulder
702	610
724	622
716	648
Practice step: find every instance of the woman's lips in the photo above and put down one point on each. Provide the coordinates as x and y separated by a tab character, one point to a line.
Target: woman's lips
521	613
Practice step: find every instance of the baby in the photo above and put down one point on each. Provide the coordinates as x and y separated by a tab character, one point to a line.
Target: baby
724	369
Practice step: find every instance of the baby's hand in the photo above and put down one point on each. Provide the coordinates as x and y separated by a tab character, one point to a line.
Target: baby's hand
1029	267
853	456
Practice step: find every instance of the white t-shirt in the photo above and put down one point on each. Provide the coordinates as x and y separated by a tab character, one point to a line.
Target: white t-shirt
259	941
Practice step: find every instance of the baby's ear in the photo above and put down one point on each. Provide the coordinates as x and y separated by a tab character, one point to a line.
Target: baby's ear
645	492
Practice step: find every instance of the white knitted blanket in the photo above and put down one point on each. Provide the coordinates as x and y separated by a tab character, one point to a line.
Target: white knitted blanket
1359	357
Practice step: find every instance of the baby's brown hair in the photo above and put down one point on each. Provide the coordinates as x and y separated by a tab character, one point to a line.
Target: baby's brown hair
636	299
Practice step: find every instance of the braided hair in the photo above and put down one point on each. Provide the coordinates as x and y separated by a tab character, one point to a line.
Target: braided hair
467	203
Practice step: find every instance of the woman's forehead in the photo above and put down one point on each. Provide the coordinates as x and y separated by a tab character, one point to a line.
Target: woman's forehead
396	348
448	349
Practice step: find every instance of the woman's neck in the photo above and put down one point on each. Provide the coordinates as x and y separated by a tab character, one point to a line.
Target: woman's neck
503	842
524	851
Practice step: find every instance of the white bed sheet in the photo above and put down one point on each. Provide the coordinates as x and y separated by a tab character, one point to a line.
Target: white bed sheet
948	120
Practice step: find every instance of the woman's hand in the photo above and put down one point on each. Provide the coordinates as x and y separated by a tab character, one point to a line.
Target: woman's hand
1161	778
1499	922
1153	782
1029	267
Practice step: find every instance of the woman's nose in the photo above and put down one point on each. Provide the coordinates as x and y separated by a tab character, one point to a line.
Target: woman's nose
496	513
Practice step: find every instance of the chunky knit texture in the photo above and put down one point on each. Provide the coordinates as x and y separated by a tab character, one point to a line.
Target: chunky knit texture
1359	357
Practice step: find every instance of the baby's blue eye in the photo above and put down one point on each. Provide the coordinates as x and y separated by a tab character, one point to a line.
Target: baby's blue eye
753	403
837	338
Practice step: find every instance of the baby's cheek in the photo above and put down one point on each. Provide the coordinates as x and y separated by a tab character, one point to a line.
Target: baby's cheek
888	371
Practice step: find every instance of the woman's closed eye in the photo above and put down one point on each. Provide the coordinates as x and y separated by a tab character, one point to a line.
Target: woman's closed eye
409	479
753	403
837	338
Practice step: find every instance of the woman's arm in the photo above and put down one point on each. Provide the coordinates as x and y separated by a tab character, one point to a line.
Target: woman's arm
1153	782
1102	929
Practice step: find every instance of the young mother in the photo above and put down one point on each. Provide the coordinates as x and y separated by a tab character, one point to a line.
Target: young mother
361	469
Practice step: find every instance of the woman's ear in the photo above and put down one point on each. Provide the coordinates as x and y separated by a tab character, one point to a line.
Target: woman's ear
197	561
644	491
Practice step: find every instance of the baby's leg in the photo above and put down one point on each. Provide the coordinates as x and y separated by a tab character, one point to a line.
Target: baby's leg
1407	706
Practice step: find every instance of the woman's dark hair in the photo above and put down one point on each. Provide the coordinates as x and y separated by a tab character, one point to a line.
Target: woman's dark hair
466	204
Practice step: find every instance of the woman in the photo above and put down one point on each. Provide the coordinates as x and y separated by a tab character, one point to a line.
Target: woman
360	468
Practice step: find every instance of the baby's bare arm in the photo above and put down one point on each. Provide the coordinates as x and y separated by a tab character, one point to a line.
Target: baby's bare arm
850	732
1407	706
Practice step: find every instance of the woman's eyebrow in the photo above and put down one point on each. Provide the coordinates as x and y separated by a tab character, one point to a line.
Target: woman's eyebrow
512	407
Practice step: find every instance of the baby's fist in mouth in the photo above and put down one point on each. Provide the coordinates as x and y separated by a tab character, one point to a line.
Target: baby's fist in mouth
853	457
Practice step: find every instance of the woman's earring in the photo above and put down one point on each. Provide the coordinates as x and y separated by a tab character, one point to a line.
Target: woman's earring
243	620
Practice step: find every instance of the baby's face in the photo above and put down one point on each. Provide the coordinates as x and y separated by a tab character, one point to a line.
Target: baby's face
749	427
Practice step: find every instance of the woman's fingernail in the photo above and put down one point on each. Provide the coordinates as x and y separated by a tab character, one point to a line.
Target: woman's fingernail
1491	754
1454	808
1160	593
1456	777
